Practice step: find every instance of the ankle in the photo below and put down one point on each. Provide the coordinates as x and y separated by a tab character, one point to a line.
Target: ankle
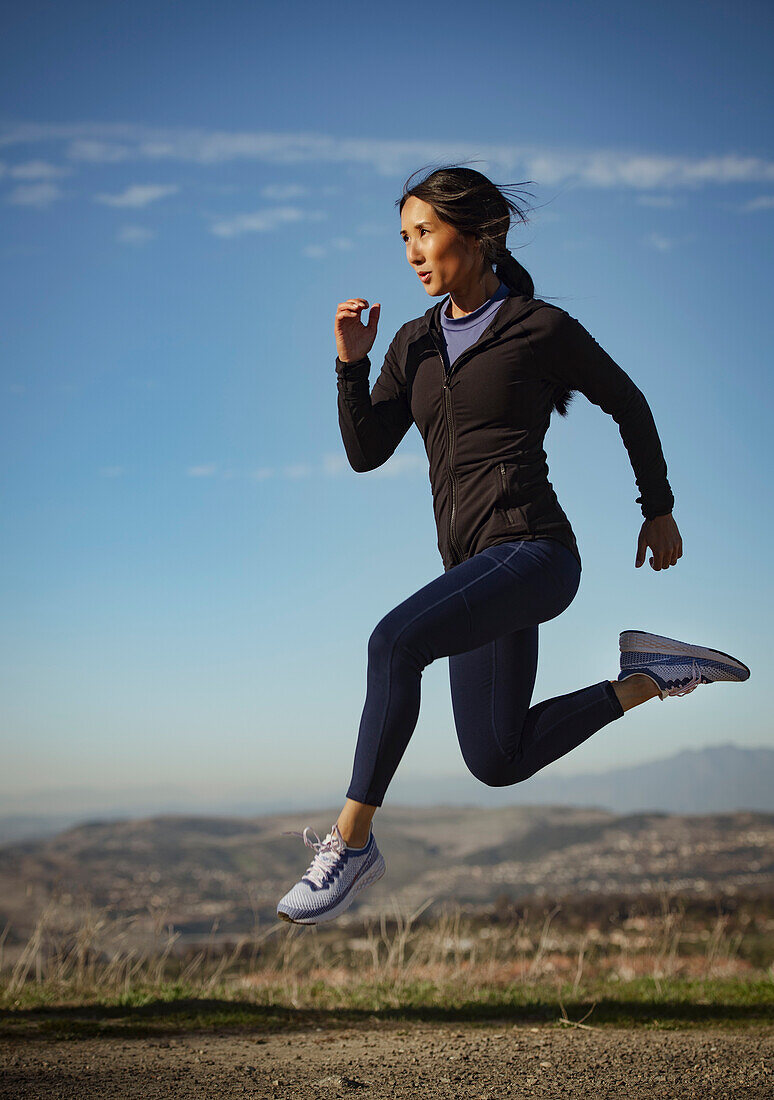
354	822
634	690
353	837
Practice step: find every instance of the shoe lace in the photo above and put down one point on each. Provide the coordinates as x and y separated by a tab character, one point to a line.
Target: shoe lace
689	685
328	852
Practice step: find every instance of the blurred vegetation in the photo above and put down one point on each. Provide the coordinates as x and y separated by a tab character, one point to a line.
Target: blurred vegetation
661	961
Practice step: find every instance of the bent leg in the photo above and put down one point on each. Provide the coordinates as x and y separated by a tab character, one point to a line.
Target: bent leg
511	585
504	740
433	622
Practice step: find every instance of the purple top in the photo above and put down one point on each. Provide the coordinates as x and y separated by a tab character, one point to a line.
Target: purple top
460	332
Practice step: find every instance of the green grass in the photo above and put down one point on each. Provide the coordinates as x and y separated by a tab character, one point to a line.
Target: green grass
166	1009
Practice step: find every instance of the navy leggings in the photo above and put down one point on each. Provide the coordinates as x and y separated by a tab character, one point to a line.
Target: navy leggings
482	614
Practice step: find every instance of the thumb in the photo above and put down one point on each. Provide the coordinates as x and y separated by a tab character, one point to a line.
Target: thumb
373	317
642	549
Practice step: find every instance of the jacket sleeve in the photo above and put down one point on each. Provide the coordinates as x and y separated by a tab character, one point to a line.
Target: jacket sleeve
372	424
577	361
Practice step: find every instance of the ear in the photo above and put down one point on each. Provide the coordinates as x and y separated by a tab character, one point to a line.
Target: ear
471	243
475	249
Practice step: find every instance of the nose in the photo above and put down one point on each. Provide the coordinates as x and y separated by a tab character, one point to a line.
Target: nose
414	253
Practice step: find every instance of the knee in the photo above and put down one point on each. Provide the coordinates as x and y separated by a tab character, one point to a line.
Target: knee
390	636
383	639
492	777
497	768
489	769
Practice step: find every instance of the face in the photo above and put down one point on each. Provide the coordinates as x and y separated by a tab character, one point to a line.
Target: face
451	258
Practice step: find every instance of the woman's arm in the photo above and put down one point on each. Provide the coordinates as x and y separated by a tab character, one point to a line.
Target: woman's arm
579	363
372	423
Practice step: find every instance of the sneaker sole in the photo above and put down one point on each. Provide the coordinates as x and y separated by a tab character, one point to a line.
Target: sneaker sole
373	874
640	641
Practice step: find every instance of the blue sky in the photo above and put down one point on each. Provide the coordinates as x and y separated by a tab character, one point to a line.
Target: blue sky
191	569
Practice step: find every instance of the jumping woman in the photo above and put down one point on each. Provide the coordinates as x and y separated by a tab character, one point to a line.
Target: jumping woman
479	374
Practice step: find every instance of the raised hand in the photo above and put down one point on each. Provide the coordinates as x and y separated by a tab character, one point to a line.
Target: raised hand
354	339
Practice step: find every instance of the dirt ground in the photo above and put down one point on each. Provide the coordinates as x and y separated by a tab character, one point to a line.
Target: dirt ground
394	1060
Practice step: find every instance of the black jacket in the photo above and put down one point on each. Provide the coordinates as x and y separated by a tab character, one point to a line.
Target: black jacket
484	421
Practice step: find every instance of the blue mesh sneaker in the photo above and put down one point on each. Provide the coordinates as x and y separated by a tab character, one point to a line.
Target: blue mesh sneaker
334	878
675	667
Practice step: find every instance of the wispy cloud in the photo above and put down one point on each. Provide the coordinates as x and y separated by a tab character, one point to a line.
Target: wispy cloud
763	202
298	469
111	471
263	221
207	470
281	192
598	168
317	251
134	234
35	194
139	194
659	242
99	152
37	170
658	201
370	229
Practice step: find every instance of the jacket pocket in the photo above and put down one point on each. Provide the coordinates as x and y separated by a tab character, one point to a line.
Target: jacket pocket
507	497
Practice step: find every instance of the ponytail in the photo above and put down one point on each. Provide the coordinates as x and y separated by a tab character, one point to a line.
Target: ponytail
518	279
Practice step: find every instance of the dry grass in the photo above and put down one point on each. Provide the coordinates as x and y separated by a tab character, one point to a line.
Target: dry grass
396	954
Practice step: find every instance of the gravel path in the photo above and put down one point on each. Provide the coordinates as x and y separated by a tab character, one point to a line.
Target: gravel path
423	1061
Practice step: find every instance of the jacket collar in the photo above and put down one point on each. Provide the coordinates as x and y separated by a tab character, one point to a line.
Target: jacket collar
511	309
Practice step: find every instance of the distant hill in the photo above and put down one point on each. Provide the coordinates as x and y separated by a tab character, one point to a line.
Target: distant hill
29	826
718	779
199	872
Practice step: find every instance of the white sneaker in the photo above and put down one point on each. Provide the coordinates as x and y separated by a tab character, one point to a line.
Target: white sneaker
676	667
334	878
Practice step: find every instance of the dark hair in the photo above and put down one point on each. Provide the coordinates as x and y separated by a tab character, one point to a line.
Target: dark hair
471	203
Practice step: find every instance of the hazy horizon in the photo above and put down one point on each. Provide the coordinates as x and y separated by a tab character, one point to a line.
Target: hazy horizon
721	778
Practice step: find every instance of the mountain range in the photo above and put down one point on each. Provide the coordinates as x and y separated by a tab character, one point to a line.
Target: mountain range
716	779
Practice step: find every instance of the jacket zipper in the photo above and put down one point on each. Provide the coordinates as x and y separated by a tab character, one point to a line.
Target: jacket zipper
449	413
505	491
449	454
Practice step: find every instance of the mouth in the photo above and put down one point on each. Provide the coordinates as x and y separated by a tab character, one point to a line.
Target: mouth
424	276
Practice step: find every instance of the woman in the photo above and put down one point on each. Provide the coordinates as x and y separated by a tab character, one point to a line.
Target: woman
480	373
